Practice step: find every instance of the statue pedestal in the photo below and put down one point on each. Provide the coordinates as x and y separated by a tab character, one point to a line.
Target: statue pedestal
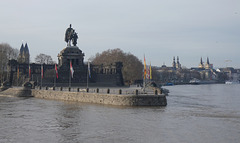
72	53
76	56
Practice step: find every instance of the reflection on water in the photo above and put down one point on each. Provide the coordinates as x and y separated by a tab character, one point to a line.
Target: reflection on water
195	113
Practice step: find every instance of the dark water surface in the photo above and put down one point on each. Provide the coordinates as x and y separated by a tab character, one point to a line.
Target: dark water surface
195	114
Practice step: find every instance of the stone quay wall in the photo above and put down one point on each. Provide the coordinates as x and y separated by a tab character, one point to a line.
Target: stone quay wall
87	97
20	92
99	98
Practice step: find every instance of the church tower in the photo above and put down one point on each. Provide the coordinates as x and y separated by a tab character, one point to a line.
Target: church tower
201	66
174	63
24	55
207	65
178	65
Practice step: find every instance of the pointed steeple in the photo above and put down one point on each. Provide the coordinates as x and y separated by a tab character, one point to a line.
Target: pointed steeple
26	48
207	65
201	64
207	60
178	65
21	49
174	63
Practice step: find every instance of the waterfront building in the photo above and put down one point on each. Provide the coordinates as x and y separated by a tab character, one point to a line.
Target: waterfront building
206	70
231	73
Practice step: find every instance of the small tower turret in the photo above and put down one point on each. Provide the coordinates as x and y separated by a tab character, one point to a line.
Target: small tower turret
174	63
178	65
207	65
201	66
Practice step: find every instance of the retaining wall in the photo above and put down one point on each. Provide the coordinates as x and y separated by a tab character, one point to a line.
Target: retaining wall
111	99
21	92
99	98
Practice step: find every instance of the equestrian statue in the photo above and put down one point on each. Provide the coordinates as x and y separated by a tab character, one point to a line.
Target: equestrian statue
71	35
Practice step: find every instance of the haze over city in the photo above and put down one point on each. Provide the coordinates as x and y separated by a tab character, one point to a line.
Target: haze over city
159	29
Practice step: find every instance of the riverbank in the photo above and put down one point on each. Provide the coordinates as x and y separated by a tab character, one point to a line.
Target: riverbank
20	92
93	97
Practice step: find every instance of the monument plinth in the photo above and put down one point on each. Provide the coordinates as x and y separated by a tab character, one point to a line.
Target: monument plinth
71	54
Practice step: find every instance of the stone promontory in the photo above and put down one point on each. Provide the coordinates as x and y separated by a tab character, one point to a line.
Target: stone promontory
91	97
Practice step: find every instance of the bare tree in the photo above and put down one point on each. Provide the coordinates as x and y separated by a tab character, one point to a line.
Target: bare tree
44	59
132	66
6	53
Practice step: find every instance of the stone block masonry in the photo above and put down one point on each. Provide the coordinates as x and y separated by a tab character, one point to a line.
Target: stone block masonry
20	92
109	99
87	97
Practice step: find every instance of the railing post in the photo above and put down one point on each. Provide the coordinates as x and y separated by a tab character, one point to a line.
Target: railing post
97	90
120	91
136	92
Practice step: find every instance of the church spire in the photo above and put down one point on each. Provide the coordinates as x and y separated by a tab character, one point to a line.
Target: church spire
174	63
26	48
24	56
178	65
21	49
207	65
201	64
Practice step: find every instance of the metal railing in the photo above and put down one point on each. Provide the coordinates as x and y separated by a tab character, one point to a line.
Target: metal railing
123	91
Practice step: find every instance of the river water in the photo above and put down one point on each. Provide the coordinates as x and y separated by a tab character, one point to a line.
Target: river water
194	114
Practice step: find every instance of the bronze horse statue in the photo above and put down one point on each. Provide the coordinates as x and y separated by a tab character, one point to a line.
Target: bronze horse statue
71	35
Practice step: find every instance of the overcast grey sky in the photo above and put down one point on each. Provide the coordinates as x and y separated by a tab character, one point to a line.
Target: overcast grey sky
160	29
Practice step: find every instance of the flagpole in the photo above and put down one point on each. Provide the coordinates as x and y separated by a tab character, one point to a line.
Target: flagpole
55	75
41	81
17	75
144	82
70	78
55	80
87	74
29	72
41	74
144	75
70	74
87	79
